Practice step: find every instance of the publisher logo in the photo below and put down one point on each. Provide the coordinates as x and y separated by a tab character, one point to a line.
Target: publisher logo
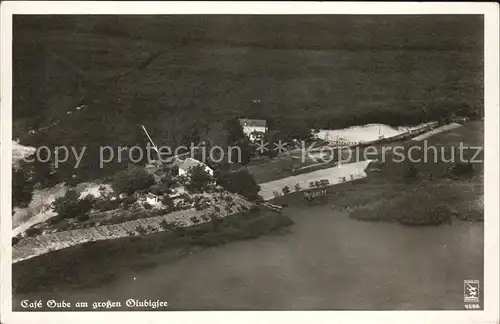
471	291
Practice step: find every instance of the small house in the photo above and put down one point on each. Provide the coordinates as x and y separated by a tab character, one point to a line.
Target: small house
254	129
189	163
153	199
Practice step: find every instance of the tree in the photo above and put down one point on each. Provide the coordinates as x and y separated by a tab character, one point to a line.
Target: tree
240	182
69	206
235	131
131	180
237	138
247	151
33	231
294	129
167	202
199	179
40	172
216	136
22	188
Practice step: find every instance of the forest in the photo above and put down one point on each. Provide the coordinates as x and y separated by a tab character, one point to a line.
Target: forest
93	80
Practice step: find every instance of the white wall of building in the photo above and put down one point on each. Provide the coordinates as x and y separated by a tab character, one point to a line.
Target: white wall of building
248	130
207	169
153	200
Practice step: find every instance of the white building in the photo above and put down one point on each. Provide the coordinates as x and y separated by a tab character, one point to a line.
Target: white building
189	163
254	128
153	199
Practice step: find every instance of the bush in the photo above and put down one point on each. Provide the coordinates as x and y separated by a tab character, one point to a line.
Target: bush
416	207
199	180
435	215
182	180
167	202
22	188
285	190
15	240
127	202
201	204
141	230
33	231
297	187
240	182
69	206
83	217
62	225
166	226
131	180
312	184
103	205
194	219
147	205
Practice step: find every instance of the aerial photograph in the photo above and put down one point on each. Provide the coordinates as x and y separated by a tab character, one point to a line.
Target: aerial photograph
247	162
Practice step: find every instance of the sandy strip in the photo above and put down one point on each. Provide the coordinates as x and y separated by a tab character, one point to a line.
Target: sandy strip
438	130
334	175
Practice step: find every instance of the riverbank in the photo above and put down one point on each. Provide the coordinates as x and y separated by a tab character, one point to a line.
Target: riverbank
30	247
98	263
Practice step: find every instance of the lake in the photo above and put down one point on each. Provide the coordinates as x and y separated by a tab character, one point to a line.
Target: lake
325	261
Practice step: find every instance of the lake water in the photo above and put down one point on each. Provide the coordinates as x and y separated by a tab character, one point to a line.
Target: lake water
325	261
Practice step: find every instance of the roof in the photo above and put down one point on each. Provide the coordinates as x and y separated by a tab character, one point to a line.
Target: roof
253	122
190	163
151	195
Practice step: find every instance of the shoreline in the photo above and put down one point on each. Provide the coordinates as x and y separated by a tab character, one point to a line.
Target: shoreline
30	247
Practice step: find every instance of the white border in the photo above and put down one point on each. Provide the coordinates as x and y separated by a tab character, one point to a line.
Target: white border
491	78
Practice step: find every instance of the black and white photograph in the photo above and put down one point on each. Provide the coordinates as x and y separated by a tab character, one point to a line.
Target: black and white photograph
249	160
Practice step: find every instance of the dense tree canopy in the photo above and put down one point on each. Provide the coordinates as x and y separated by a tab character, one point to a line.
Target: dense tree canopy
240	182
69	206
133	179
